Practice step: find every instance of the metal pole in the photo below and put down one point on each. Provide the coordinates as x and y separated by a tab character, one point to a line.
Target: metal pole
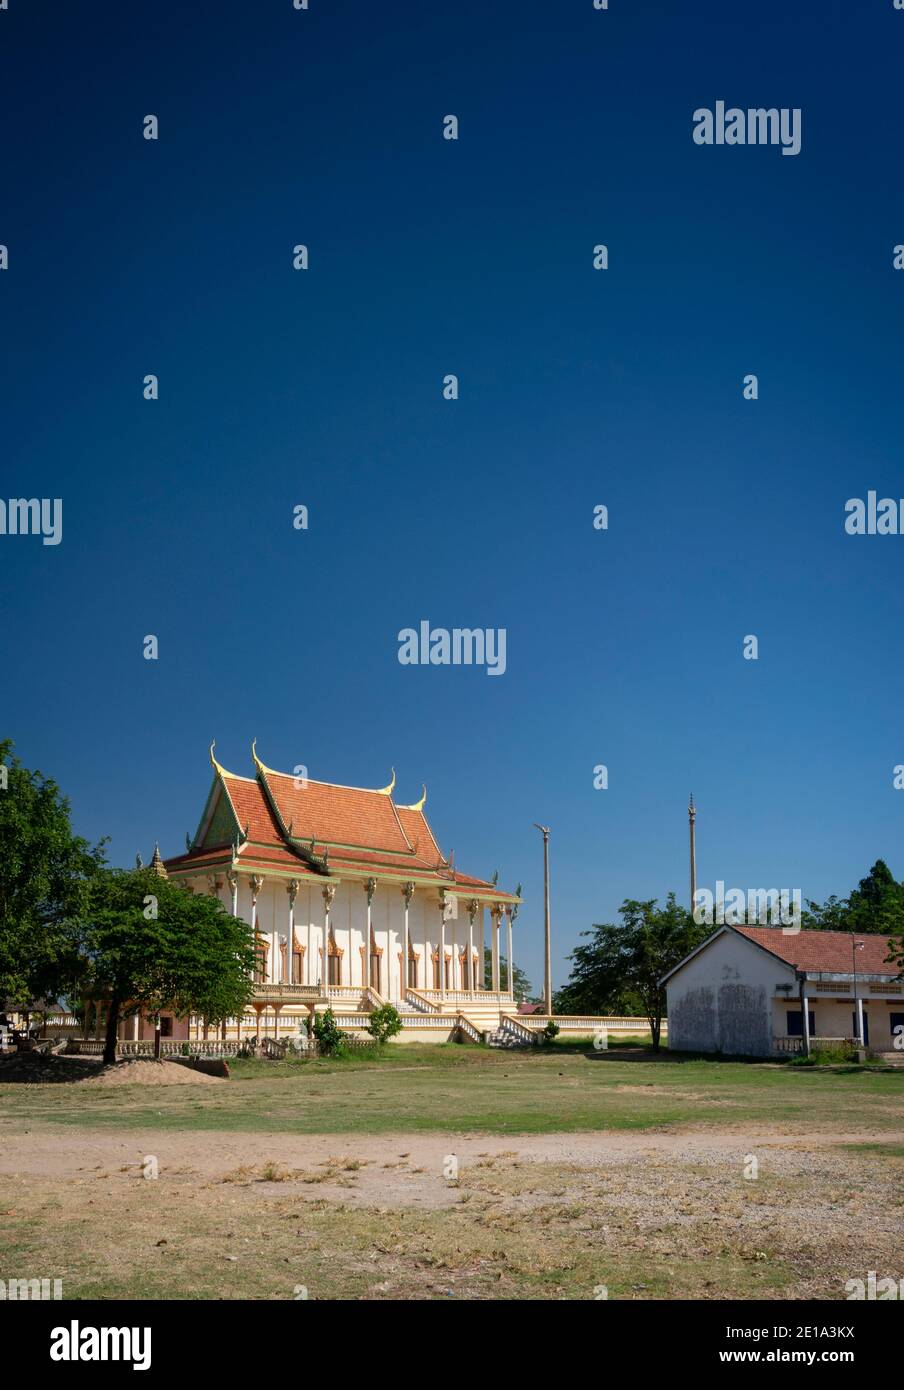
547	974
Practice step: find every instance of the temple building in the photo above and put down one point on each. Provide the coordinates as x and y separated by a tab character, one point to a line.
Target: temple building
353	904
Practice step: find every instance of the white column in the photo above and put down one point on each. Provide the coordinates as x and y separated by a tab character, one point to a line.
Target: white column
407	890
481	973
308	972
329	892
257	884
860	1020
805	1008
292	890
511	967
370	887
233	878
472	913
495	914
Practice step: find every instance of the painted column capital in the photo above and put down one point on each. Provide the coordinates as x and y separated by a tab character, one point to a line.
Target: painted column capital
328	892
407	891
473	908
370	887
292	889
257	883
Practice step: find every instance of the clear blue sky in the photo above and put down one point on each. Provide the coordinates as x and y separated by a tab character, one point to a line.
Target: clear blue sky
577	387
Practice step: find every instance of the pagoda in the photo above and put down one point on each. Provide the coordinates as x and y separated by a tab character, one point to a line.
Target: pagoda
353	904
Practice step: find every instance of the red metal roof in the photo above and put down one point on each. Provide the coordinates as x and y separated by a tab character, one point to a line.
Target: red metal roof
827	951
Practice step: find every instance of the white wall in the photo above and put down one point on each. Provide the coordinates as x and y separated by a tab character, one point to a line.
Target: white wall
348	923
722	1000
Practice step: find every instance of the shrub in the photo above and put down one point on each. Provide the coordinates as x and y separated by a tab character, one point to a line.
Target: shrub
550	1032
384	1023
329	1037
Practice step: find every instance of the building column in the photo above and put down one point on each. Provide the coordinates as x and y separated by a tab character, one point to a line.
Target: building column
328	893
495	916
370	887
233	880
511	964
292	890
860	1040
481	974
472	913
442	943
407	891
257	883
805	1017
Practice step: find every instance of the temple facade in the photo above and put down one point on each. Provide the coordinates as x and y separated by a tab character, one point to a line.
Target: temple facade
353	904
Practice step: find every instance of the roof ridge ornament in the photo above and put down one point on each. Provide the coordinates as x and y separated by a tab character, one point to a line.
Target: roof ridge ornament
387	791
262	767
217	767
417	805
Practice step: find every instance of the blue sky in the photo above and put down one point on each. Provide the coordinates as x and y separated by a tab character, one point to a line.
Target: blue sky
577	387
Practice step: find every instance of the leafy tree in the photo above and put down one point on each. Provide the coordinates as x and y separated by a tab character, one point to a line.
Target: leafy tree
329	1036
630	959
384	1023
45	871
522	983
148	944
551	1031
876	905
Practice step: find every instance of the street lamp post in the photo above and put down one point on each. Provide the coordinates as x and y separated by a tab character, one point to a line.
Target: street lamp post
547	976
858	1002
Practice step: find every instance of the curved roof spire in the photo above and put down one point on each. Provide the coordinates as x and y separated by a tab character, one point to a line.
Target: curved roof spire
387	791
217	767
418	805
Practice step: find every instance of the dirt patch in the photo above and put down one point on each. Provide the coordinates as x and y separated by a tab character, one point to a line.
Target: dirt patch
36	1068
149	1073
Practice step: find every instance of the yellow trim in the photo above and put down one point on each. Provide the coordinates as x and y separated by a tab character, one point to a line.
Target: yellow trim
387	791
418	805
262	767
217	767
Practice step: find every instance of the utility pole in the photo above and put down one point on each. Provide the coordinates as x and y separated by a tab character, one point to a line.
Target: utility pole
547	976
691	818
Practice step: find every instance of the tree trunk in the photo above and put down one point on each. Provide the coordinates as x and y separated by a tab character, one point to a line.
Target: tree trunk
112	1029
655	1030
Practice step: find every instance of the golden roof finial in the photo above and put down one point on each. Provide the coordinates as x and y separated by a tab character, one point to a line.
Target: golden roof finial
213	762
387	791
261	767
418	805
157	865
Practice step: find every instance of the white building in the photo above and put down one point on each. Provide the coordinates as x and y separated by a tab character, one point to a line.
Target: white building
762	991
353	903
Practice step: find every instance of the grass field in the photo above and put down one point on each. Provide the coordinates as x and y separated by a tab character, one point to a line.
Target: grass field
575	1171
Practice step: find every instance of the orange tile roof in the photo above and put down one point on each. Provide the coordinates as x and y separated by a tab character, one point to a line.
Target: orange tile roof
827	951
364	830
338	815
252	810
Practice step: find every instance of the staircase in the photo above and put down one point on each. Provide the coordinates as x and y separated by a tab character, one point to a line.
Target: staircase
512	1033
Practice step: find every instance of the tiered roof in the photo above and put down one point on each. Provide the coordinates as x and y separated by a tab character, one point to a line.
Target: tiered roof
279	824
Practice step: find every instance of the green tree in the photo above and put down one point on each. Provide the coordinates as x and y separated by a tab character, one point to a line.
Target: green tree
384	1023
330	1037
875	906
148	944
522	983
45	872
630	959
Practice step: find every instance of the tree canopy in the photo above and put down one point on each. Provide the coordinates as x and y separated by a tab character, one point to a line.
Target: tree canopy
45	873
876	905
620	968
148	944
